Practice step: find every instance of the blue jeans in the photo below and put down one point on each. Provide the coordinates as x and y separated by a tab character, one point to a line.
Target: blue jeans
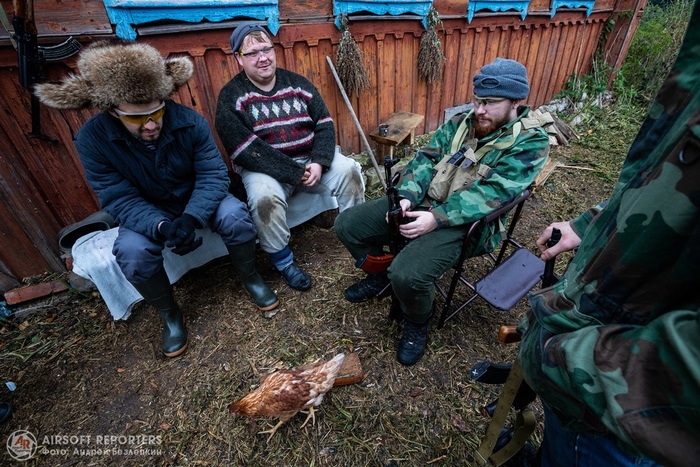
561	447
140	257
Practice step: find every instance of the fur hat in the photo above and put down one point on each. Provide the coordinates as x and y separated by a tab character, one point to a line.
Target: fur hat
502	78
115	73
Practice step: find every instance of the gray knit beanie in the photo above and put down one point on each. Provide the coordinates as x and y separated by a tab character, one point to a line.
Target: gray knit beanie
242	31
502	78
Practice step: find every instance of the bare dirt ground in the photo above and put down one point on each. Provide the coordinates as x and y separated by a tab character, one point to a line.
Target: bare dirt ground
97	392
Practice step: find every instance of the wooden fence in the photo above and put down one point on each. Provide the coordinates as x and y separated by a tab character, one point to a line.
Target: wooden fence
42	186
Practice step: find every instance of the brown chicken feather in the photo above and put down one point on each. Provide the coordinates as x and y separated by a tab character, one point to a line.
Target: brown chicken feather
285	392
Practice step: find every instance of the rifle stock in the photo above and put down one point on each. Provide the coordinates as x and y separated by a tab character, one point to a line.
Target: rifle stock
31	57
376	264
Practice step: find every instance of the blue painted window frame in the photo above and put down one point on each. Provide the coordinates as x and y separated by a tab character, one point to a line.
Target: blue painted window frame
383	7
126	14
587	4
520	6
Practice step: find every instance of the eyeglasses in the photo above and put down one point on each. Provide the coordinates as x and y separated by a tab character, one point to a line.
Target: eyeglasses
141	118
487	102
257	53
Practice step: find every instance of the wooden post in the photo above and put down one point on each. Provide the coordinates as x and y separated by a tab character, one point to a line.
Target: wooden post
357	123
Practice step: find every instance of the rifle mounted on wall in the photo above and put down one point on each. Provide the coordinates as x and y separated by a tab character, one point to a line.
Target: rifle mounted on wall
31	56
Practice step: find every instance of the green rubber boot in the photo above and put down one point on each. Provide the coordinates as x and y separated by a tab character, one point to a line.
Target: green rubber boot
158	292
243	258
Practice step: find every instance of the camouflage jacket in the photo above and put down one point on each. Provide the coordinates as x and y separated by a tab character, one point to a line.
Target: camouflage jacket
615	345
511	170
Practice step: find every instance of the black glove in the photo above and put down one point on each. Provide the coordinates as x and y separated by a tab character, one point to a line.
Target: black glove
165	228
184	249
180	235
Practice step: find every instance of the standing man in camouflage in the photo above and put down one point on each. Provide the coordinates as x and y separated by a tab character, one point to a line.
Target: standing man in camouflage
500	152
613	349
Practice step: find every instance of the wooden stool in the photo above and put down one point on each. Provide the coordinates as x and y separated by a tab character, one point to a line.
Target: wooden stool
401	127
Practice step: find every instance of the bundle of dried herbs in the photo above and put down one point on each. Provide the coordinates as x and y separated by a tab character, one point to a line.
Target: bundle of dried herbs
430	56
350	65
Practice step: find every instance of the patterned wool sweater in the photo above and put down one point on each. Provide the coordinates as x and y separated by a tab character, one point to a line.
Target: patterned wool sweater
263	131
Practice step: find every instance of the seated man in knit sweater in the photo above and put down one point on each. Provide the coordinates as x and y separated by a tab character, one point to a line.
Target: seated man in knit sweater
280	137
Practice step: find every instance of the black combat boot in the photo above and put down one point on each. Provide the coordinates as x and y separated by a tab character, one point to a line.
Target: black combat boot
243	258
413	341
367	288
158	292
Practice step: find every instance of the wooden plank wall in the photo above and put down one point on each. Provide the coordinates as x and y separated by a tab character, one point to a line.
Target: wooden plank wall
60	18
42	186
551	49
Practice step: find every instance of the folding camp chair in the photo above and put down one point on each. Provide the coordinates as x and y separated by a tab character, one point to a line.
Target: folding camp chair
501	443
507	281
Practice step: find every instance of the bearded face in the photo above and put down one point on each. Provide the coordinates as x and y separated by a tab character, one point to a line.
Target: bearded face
491	114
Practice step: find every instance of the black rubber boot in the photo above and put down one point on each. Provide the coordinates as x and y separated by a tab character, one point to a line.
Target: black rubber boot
243	258
158	292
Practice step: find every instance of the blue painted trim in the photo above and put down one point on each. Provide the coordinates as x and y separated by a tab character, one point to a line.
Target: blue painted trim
520	6
126	14
588	4
383	7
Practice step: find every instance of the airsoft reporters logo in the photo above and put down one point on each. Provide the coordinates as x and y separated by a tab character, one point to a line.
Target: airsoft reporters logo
22	445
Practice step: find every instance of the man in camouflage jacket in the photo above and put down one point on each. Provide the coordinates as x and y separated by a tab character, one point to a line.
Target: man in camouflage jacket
504	152
613	349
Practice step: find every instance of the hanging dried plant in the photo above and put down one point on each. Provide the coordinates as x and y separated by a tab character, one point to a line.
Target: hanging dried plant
350	65
430	56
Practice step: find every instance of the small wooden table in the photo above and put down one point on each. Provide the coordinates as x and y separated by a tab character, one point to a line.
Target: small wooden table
401	129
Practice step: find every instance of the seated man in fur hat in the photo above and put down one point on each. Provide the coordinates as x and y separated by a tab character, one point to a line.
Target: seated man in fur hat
280	136
156	170
497	155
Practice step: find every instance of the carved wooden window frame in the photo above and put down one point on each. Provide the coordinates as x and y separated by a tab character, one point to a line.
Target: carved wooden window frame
129	14
519	6
382	7
587	4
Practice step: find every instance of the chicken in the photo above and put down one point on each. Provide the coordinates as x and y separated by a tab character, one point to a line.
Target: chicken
285	392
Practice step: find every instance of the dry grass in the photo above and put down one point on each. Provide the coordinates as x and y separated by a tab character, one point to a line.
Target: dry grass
80	373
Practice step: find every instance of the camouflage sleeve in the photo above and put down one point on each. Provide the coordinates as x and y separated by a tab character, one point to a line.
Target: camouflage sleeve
605	367
614	345
511	172
419	171
580	223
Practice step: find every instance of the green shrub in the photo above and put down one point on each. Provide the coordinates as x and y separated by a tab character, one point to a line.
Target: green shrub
649	59
654	47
